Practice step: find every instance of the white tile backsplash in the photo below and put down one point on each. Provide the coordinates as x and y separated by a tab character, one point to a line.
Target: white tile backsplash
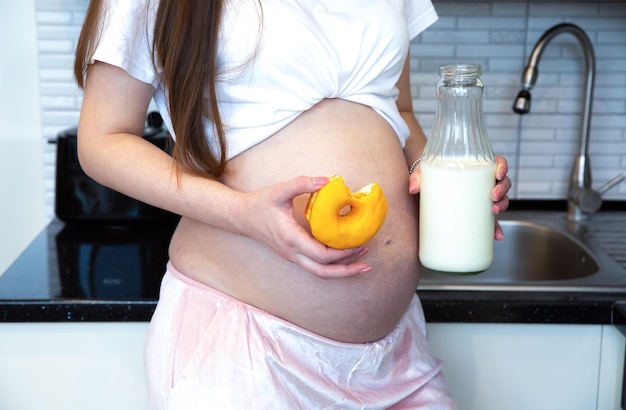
540	146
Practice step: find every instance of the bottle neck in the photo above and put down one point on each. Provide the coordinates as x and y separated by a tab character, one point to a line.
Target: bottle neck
459	132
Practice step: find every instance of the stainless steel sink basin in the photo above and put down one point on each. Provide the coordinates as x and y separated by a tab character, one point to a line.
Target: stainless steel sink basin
542	251
533	251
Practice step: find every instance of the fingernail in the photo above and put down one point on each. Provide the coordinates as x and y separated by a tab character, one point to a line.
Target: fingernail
320	181
366	270
363	251
496	195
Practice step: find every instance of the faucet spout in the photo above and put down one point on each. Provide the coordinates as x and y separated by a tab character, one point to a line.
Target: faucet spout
580	180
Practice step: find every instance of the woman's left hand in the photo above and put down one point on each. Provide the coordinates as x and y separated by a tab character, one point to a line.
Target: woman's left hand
498	193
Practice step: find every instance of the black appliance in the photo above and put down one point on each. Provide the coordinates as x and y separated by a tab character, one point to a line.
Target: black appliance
81	199
113	263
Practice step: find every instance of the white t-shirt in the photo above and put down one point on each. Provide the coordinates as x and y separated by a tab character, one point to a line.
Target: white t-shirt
279	60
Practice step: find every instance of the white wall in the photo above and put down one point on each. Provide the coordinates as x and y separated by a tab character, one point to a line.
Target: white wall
22	213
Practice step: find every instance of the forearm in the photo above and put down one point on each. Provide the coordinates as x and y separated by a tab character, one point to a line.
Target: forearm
137	168
112	152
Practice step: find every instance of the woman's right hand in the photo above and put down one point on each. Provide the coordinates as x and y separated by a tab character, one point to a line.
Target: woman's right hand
268	217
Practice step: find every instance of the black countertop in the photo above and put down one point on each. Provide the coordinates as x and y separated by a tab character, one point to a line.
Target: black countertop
73	273
83	272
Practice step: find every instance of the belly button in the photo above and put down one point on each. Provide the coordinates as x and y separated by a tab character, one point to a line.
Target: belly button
389	242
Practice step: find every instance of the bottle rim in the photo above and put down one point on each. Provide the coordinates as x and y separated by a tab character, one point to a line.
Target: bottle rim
460	70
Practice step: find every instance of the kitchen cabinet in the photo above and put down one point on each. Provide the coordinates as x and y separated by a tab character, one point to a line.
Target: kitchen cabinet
72	366
492	366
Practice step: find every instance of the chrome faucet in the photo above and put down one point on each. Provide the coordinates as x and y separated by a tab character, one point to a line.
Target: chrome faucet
582	199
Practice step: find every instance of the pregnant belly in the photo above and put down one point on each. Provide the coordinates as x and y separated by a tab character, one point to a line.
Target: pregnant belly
334	137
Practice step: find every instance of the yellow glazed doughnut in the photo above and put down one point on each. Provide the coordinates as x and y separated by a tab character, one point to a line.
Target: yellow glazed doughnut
341	219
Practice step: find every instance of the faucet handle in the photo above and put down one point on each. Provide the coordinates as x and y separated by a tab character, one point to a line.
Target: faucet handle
589	200
586	199
610	184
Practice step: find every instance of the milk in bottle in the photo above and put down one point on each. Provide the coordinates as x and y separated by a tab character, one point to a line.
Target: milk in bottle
456	225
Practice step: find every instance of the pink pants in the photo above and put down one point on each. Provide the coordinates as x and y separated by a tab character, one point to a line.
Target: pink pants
208	350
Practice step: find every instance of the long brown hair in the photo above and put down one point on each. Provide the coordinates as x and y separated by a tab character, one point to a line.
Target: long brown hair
185	46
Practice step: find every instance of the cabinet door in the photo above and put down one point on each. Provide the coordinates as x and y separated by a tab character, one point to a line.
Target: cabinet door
611	368
520	366
72	366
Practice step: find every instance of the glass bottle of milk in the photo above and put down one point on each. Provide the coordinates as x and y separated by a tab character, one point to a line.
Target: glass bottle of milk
456	225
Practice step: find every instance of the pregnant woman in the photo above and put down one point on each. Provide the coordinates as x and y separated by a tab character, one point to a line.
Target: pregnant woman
266	99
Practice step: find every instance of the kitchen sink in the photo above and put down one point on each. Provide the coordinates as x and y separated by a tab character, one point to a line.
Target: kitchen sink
543	251
534	251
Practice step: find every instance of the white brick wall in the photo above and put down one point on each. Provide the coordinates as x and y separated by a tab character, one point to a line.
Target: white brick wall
58	26
539	146
499	35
